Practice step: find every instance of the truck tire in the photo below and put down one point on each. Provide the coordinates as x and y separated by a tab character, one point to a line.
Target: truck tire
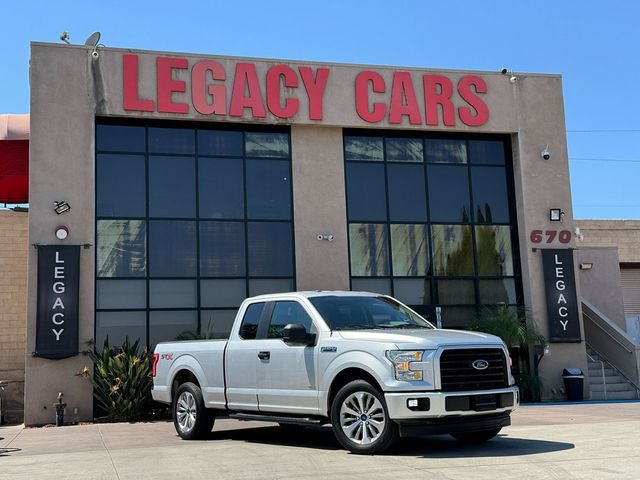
476	437
191	418
360	419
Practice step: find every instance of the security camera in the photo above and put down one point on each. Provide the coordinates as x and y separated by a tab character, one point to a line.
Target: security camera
95	54
545	153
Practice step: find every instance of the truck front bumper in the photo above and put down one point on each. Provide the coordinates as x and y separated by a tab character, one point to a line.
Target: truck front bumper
406	407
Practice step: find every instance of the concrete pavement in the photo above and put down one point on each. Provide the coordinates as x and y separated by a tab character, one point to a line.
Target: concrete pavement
587	441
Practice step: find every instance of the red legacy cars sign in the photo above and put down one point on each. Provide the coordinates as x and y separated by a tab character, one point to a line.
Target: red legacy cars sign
210	81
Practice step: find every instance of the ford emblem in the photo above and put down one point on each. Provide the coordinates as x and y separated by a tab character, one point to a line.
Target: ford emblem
480	364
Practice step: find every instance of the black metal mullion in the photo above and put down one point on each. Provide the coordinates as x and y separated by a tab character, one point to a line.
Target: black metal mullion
197	186
147	231
432	268
472	224
387	225
246	212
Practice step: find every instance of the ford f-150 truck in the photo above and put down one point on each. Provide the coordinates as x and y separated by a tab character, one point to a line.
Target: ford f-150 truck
363	362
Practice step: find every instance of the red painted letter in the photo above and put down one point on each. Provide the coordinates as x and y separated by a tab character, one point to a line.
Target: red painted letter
166	84
362	96
130	98
482	111
315	89
274	100
433	98
200	91
246	92
403	88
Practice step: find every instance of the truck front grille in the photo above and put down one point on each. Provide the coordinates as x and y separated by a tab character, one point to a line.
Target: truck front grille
457	373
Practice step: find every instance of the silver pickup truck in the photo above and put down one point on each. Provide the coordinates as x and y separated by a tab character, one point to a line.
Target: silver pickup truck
363	362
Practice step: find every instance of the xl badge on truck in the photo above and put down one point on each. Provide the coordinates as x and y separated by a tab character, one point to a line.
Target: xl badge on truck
480	364
329	349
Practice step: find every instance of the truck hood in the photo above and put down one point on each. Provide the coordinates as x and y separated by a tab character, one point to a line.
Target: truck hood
421	338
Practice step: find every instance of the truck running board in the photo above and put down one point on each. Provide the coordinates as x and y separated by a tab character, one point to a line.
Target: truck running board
276	418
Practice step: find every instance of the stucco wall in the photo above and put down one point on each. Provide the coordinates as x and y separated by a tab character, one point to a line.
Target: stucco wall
61	167
601	285
541	185
319	207
624	234
13	301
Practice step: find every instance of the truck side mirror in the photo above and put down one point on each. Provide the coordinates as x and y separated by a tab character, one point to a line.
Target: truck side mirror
296	334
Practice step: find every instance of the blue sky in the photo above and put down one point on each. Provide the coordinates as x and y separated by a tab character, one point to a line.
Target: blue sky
594	45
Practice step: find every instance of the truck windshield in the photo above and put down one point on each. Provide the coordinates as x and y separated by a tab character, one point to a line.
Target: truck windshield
366	313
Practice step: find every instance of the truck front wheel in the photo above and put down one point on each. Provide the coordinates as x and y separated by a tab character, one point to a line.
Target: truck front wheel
190	416
360	419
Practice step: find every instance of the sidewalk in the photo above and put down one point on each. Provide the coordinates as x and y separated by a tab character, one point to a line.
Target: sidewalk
593	441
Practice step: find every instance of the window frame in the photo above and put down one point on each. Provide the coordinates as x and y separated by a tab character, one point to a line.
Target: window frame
432	278
146	219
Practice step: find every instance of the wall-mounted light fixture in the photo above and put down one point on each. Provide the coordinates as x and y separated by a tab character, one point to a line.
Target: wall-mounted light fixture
556	214
586	266
61	207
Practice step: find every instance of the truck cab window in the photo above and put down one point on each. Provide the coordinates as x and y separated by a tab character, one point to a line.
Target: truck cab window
249	326
285	313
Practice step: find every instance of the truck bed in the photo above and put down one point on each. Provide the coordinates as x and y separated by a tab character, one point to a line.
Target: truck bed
205	360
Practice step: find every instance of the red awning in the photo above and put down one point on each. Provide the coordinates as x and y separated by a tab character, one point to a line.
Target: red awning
14	158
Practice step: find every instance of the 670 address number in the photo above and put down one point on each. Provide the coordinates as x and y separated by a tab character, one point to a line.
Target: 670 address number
537	236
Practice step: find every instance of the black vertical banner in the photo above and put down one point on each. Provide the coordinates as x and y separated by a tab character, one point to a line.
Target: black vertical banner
562	304
58	290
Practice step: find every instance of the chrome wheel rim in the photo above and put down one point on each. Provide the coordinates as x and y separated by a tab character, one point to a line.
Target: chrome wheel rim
186	413
362	418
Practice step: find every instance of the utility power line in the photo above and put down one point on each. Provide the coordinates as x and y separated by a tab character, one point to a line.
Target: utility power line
621	160
604	130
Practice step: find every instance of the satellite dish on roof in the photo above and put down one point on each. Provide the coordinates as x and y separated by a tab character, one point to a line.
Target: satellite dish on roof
93	39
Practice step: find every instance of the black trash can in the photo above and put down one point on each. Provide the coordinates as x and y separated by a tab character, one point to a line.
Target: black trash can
573	384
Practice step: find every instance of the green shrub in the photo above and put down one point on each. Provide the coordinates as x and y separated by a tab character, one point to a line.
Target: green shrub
122	380
521	337
508	323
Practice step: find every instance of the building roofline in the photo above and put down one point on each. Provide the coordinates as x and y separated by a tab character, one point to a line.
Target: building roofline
302	62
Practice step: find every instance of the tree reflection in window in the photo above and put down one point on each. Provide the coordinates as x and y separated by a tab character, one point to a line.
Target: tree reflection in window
452	250
369	250
495	257
363	148
409	250
121	248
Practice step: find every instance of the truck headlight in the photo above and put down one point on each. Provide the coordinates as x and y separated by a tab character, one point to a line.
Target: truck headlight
402	362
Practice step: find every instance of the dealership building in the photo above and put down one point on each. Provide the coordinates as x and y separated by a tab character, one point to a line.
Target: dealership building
164	188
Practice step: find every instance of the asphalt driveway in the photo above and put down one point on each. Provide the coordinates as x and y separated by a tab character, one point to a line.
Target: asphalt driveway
587	441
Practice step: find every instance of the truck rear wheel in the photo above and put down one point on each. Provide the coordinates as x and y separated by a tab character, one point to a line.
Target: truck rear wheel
191	418
360	419
476	437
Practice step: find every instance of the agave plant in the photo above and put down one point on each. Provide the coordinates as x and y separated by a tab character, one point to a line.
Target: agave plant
122	380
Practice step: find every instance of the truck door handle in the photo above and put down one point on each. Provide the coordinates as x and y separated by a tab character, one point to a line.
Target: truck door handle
264	355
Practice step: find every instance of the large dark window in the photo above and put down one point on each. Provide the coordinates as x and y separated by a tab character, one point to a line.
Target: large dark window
431	221
190	220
